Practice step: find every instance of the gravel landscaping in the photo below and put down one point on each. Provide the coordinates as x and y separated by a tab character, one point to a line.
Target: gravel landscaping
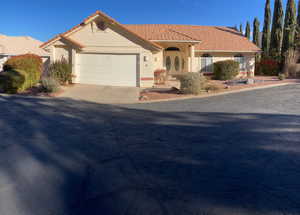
168	91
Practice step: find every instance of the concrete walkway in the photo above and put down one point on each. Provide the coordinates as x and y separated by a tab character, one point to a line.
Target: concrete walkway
102	94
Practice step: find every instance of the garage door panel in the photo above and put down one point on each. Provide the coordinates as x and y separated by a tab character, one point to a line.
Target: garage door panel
108	69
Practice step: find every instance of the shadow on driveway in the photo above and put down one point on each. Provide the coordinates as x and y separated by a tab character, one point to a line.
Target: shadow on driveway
68	157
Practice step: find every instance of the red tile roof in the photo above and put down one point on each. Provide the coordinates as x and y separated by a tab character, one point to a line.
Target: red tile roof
212	38
154	32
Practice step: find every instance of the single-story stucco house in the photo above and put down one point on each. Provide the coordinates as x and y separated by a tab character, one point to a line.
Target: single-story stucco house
19	45
104	52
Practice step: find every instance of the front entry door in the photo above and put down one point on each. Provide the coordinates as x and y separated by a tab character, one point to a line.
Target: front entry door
173	61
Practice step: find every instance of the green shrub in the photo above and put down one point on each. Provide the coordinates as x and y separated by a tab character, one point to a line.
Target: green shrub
191	83
61	70
50	85
31	64
281	76
268	67
13	81
226	70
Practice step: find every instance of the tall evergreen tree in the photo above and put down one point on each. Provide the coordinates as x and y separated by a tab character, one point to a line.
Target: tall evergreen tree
248	31
298	17
241	27
289	27
276	33
298	22
267	30
256	32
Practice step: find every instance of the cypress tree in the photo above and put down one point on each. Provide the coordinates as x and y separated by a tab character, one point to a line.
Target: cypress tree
266	30
289	27
256	32
298	24
241	27
276	33
248	31
298	17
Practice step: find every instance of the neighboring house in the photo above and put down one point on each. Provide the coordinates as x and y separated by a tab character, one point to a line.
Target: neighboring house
104	52
12	46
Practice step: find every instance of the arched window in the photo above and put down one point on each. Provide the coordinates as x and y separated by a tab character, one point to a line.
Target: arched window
172	49
182	64
177	63
241	60
206	63
168	63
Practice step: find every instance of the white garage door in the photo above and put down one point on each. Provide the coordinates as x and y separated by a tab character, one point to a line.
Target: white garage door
107	69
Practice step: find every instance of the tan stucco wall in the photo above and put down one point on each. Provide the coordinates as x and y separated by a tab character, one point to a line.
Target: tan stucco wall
111	40
92	37
221	56
63	52
217	56
158	61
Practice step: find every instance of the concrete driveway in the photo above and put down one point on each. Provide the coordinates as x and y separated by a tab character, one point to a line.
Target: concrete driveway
102	94
232	154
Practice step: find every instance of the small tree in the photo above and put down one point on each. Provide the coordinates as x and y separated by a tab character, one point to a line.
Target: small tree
248	31
61	71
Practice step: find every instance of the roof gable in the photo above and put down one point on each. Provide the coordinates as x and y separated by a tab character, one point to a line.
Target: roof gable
98	33
150	45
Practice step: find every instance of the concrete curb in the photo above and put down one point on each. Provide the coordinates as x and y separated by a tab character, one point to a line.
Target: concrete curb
215	94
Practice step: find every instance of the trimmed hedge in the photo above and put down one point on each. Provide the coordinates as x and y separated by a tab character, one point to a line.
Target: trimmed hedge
61	70
267	67
14	81
226	70
31	64
191	83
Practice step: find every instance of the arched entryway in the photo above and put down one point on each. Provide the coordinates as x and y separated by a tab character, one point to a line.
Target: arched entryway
173	60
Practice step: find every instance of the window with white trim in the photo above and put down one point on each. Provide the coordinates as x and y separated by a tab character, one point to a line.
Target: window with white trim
207	63
241	60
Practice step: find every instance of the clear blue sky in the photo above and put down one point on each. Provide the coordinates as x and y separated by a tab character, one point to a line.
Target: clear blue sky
44	19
